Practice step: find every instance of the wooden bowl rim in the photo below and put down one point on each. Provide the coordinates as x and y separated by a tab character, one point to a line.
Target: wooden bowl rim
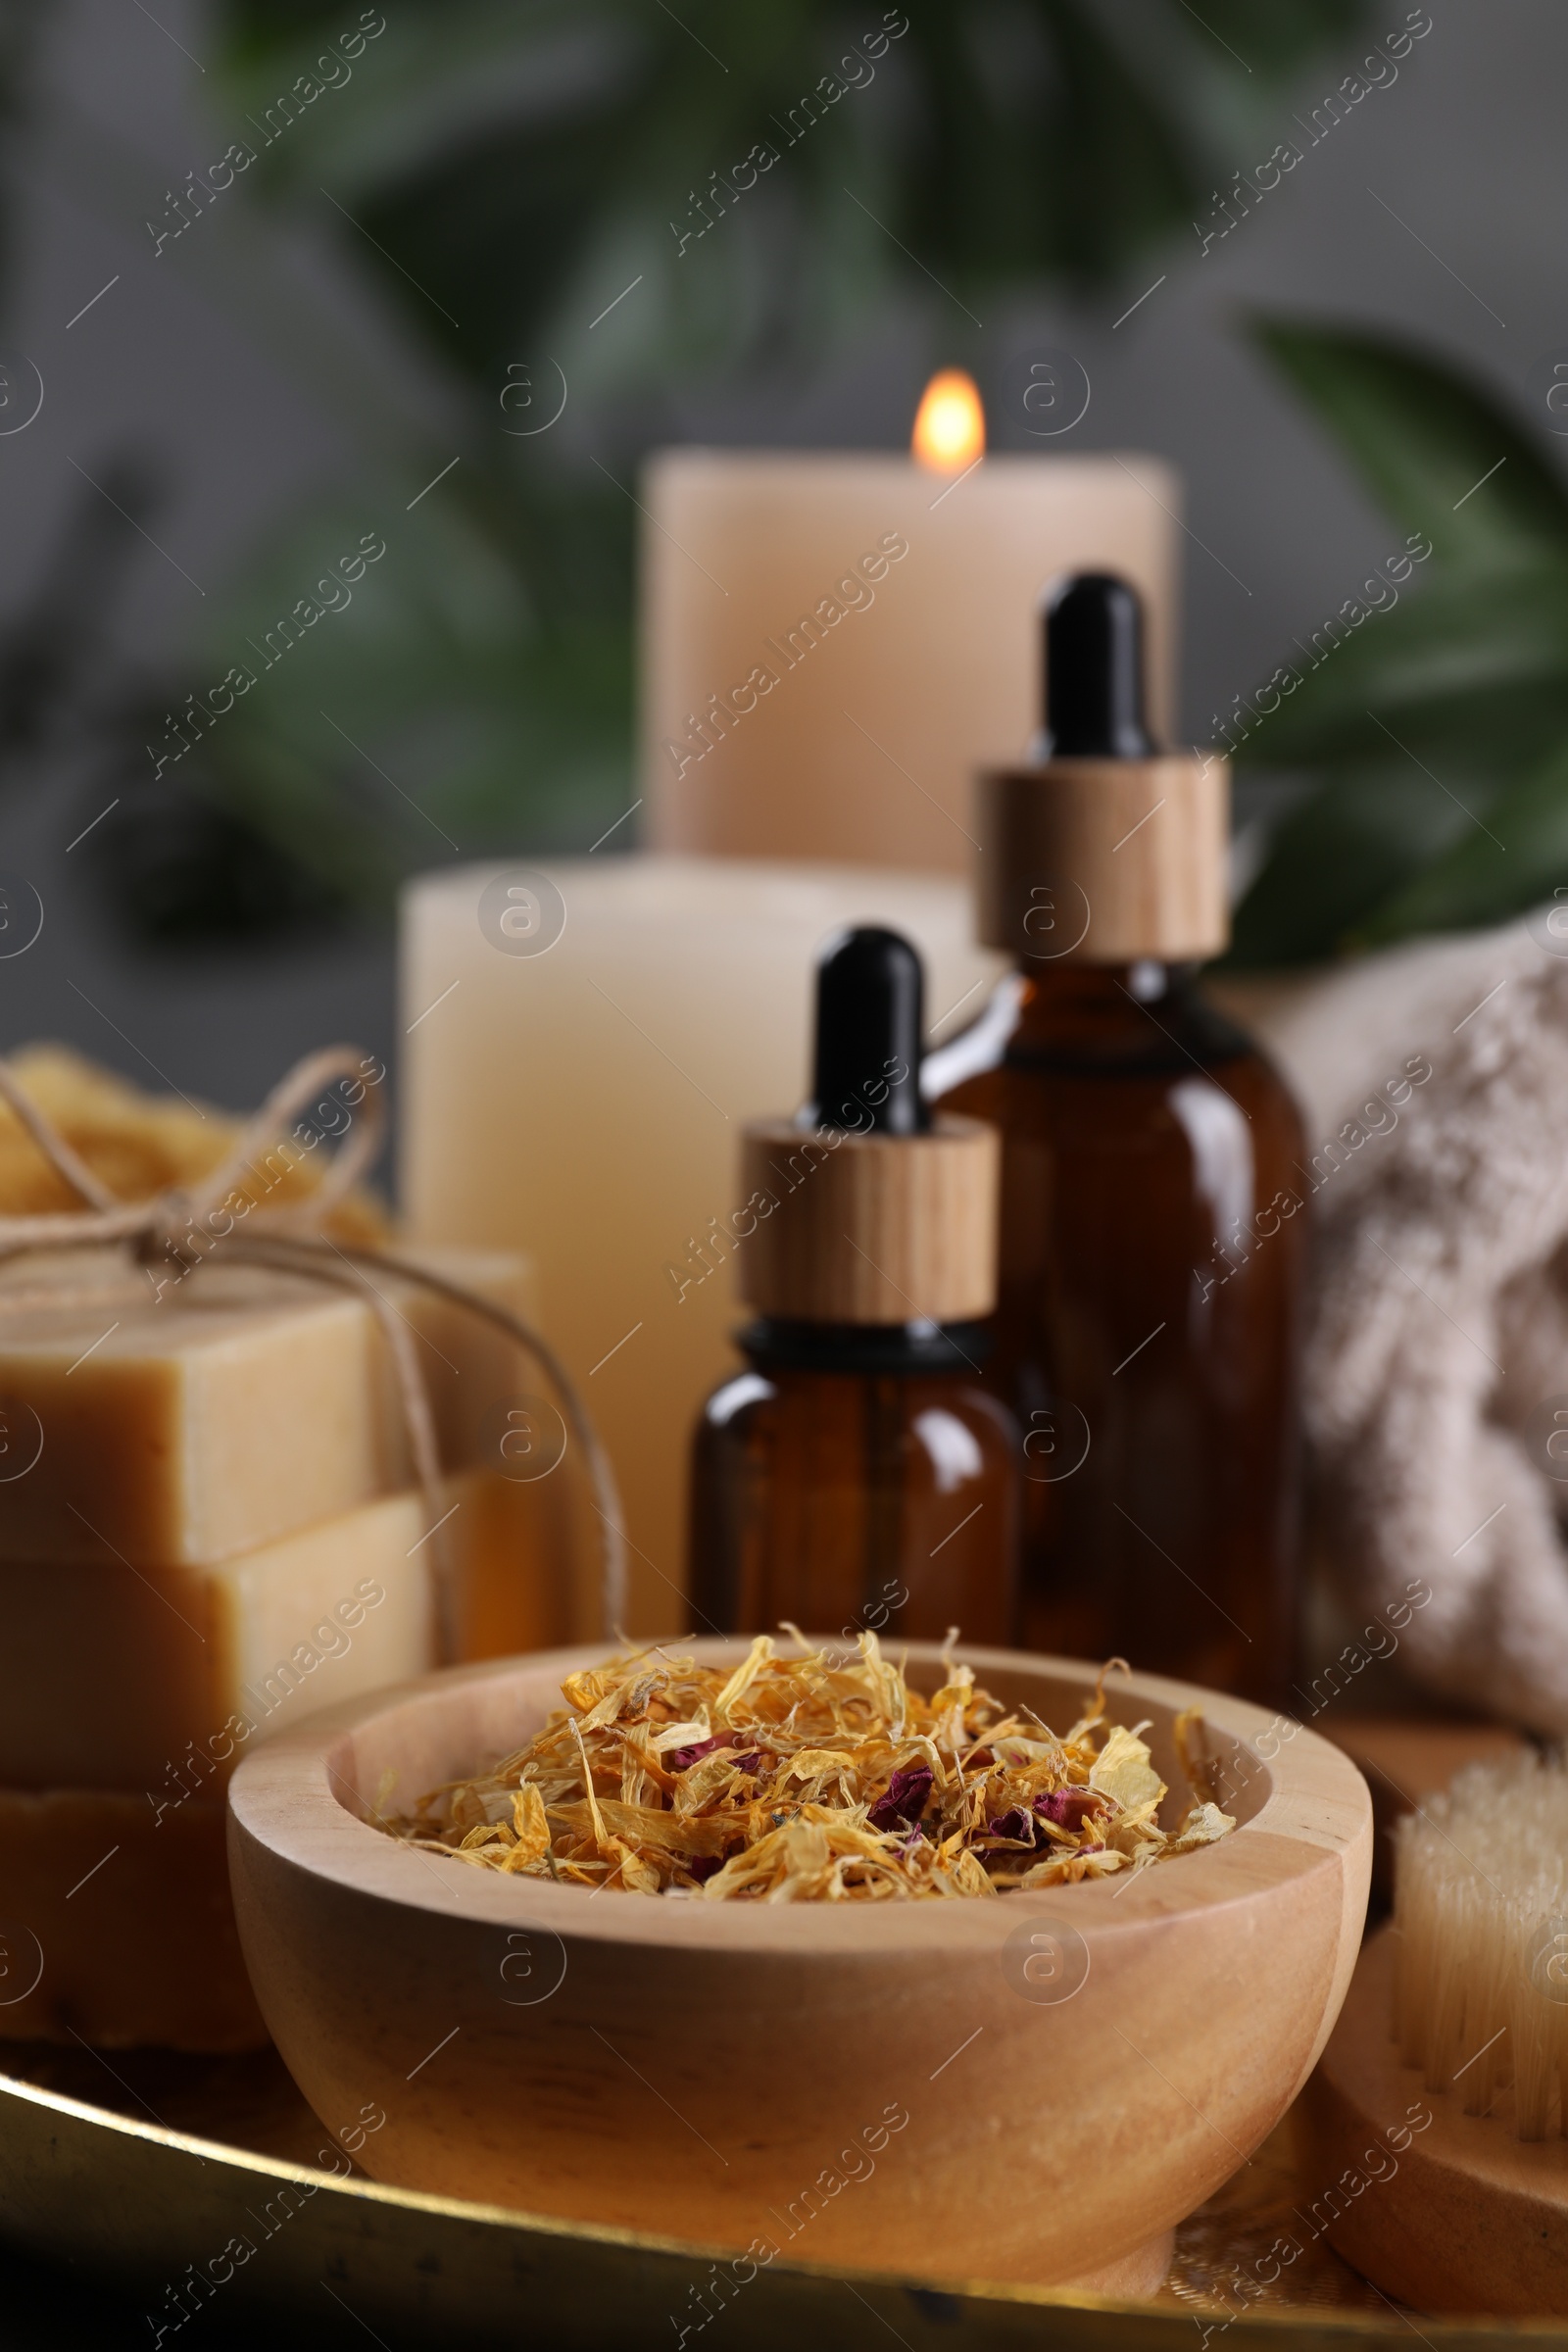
282	1795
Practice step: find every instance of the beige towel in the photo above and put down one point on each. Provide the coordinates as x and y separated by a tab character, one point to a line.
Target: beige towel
1438	1362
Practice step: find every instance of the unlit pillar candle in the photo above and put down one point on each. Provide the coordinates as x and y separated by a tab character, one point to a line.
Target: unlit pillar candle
579	1082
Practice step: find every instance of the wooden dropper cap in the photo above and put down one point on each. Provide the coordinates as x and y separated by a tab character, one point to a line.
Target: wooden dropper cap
868	1210
1100	848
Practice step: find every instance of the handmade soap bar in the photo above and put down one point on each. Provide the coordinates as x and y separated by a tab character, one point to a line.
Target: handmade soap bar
182	1431
229	1410
158	1680
117	1928
115	1676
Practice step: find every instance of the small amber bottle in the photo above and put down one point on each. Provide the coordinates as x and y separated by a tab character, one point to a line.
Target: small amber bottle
1152	1234
857	1476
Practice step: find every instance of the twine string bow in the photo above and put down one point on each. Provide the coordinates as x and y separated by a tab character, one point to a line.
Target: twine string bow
181	1226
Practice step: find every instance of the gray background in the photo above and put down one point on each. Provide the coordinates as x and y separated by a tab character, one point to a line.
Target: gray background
209	362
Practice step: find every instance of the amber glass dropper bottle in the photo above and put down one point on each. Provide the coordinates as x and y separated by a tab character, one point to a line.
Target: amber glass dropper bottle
1153	1233
857	1476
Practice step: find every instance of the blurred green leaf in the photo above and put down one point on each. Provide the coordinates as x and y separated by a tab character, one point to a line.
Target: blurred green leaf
1431	738
1465	639
1025	138
514	179
1338	856
1437	452
1512	862
408	722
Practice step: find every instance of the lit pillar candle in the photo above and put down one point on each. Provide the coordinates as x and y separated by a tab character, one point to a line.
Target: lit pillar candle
833	643
579	1062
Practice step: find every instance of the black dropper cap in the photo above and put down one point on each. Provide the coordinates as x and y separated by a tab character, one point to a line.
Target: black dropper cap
870	993
1094	648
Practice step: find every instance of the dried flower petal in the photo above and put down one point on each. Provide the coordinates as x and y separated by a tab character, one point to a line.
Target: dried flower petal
827	1783
905	1801
531	1827
1070	1808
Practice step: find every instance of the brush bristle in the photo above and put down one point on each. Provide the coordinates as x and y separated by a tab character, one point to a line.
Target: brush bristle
1481	1914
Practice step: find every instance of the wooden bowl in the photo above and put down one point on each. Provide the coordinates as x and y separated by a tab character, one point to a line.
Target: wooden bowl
1032	2088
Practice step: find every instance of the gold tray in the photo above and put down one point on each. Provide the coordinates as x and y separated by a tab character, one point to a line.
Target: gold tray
141	2164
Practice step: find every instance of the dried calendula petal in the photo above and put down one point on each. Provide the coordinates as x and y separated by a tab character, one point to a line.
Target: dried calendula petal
1124	1771
1202	1770
816	1777
636	1872
1203	1824
970	1876
530	1827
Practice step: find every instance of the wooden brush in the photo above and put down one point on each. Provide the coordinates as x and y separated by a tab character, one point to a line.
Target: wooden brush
1441	2099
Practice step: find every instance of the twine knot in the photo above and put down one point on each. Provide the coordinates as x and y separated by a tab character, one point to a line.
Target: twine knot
189	1228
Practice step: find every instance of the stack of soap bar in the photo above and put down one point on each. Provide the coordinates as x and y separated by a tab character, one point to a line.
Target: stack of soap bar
117	1677
206	1530
211	1419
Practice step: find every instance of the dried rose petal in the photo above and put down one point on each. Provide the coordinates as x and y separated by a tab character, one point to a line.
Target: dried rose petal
1070	1808
1015	1824
681	1759
904	1800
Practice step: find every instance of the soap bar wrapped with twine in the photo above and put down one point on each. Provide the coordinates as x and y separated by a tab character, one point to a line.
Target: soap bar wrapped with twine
182	1229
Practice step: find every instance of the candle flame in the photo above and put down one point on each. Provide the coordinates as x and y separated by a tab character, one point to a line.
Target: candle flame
950	425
